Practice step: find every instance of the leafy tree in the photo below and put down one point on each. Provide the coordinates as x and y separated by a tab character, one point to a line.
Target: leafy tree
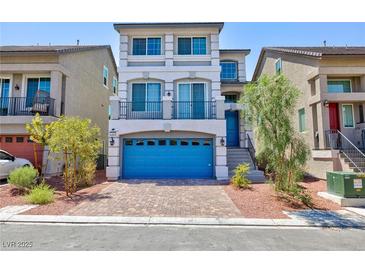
39	134
78	141
269	105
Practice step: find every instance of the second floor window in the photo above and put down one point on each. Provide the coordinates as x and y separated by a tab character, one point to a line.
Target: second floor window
105	76
278	66
147	46
192	46
115	85
339	86
4	87
228	71
301	115
146	96
40	87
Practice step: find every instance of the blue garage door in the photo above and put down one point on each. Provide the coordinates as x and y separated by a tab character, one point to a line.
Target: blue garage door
167	158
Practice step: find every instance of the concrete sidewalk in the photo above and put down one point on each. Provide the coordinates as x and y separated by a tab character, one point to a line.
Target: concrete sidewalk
348	220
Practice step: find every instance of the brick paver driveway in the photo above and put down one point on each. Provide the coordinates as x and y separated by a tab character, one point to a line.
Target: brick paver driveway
172	198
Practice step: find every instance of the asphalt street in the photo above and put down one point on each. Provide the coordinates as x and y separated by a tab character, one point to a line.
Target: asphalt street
140	237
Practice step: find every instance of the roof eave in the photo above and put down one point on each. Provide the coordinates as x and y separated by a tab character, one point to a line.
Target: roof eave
118	26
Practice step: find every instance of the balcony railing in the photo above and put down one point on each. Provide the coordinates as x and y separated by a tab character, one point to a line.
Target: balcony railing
141	110
193	110
27	106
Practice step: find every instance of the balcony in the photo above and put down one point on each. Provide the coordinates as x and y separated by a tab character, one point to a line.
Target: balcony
23	106
141	110
193	110
168	109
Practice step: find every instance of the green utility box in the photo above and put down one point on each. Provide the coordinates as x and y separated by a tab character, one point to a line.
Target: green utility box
346	184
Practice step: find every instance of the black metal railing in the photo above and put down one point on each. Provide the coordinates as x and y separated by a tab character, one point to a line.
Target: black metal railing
337	140
141	110
193	110
251	150
19	106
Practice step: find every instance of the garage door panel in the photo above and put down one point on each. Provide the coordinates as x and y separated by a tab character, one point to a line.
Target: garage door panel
167	158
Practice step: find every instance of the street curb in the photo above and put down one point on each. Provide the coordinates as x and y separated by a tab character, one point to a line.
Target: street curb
116	220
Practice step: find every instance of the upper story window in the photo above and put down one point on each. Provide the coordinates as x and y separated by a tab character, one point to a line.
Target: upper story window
115	85
192	45
105	76
278	66
147	46
339	86
231	98
301	115
228	70
37	86
4	87
146	96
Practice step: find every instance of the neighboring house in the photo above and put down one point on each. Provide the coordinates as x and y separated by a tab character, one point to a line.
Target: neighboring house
330	111
169	118
53	81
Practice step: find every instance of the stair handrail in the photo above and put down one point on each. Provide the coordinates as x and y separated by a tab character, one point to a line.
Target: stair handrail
251	150
354	147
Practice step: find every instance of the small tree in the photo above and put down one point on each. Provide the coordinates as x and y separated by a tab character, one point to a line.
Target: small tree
78	141
269	105
39	134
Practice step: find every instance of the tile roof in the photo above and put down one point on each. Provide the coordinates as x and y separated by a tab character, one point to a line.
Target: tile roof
49	49
320	51
314	52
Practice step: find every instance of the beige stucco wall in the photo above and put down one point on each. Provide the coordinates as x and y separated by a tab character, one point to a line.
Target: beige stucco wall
296	69
85	94
310	76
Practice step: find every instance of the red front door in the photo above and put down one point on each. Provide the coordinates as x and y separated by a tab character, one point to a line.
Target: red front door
334	116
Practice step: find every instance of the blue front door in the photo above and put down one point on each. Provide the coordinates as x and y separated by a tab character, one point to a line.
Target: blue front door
232	124
167	158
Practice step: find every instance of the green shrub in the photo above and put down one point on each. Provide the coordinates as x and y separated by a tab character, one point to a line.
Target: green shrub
23	177
41	194
239	179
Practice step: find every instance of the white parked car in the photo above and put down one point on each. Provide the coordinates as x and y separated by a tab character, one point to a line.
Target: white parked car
9	162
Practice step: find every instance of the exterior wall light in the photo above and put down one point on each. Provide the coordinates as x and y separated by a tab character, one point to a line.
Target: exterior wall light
326	103
222	142
16	87
112	134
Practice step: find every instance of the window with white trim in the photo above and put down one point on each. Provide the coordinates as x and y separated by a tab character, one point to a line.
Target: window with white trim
348	116
228	70
339	86
115	85
191	45
146	46
301	115
146	96
105	76
278	66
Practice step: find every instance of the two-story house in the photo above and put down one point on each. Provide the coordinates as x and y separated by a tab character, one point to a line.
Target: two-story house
175	114
330	110
52	81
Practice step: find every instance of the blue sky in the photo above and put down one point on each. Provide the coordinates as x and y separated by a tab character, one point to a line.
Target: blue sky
234	35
